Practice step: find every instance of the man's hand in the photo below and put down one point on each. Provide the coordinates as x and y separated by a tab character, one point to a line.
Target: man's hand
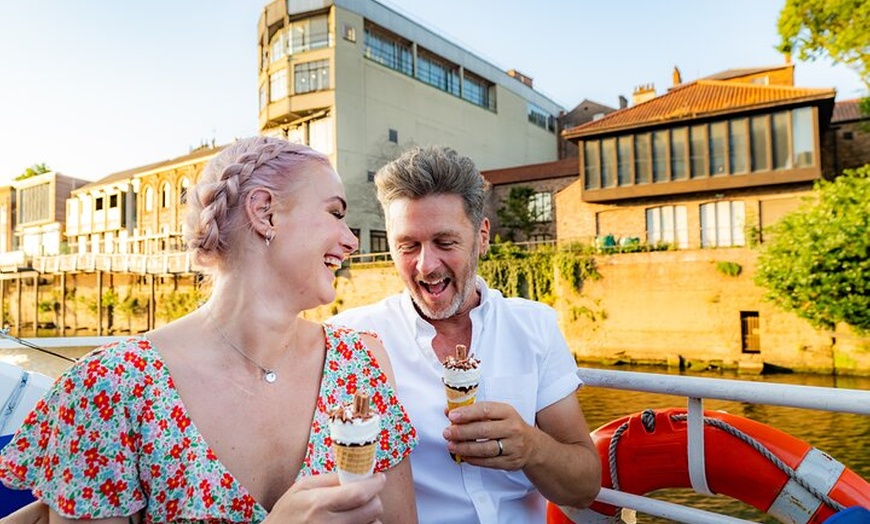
491	435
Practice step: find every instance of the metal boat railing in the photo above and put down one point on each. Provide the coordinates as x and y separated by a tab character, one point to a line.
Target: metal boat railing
696	389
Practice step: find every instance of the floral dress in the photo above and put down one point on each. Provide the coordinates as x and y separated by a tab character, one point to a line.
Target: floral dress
112	437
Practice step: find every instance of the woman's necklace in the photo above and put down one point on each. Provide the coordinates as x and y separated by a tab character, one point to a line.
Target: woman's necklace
269	374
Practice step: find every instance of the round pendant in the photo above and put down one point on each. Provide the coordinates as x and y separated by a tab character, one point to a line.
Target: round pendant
269	376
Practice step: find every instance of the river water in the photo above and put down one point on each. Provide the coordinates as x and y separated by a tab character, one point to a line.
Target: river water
843	436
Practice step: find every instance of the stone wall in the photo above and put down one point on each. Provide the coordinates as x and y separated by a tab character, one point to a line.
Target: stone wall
671	307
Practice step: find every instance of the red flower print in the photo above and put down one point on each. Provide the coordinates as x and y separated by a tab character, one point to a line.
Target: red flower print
68	386
22	444
155	470
87	493
66	505
67	475
226	480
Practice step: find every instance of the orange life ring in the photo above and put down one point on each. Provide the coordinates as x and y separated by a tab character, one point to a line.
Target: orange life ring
650	459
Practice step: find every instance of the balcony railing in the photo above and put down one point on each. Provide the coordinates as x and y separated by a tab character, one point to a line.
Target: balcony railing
160	264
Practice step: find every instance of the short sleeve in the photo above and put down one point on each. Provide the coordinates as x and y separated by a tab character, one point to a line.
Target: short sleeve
559	369
76	449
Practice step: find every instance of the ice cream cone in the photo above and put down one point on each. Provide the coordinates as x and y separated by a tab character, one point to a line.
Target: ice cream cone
354	430
354	462
461	380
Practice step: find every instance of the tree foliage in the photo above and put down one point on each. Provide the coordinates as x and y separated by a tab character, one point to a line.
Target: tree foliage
35	169
817	263
836	28
516	214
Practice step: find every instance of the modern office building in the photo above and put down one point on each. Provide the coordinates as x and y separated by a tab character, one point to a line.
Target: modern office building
362	82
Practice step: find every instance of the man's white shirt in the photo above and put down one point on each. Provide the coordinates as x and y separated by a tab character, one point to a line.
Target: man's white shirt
525	362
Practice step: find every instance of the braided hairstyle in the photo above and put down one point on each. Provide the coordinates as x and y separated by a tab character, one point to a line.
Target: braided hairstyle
215	210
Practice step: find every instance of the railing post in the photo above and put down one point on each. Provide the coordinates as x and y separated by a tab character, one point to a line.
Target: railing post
697	466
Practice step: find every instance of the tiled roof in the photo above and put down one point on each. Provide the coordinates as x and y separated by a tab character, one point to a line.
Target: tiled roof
847	110
568	167
130	173
744	71
698	99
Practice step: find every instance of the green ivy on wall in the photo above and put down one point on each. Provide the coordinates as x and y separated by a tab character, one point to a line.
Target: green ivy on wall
530	273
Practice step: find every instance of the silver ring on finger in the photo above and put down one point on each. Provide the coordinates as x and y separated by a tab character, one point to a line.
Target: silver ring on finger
500	448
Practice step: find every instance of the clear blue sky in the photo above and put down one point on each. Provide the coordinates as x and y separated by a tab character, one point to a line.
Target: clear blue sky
99	86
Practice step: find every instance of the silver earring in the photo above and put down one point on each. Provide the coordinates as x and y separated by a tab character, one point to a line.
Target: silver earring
270	235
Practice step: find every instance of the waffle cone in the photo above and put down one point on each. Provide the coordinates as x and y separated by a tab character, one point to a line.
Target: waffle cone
458	397
354	462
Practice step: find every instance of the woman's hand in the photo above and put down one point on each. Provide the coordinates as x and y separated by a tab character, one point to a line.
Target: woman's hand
320	498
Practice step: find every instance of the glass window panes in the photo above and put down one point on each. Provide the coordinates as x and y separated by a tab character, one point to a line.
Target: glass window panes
642	168
378	241
802	130
781	152
759	143
477	91
591	163
722	224
320	135
541	207
388	50
679	153
698	151
623	165
660	156
311	76
608	162
278	85
278	49
667	224
310	33
737	145
718	135
437	72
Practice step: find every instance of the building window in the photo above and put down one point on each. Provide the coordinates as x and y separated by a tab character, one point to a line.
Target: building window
278	47
183	187
802	131
149	198
668	225
388	50
541	207
311	76
165	195
749	332
34	203
113	201
98	203
310	33
608	162
438	72
320	135
393	136
378	241
679	152
623	164
541	118
738	145
759	142
781	150
642	149
263	97
698	151
591	165
718	136
278	85
660	156
478	91
722	224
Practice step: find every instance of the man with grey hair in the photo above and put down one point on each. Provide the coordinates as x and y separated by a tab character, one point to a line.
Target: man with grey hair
526	435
